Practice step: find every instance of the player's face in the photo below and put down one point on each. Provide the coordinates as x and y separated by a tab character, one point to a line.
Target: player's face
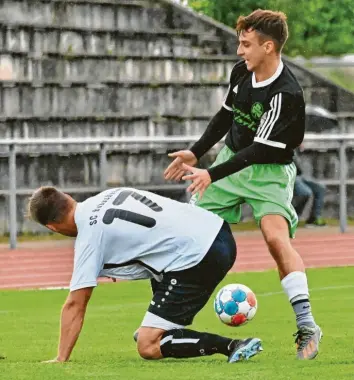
252	49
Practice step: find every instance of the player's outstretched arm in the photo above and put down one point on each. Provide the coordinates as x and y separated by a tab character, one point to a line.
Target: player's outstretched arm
217	128
219	125
72	319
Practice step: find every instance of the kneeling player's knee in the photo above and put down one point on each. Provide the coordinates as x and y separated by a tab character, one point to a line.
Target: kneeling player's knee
149	350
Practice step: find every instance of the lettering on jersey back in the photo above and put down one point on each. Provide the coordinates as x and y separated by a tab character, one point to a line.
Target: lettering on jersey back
130	216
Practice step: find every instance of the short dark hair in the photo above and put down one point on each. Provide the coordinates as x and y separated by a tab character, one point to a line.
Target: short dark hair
48	205
267	23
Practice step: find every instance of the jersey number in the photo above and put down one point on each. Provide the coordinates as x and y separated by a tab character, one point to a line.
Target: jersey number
130	216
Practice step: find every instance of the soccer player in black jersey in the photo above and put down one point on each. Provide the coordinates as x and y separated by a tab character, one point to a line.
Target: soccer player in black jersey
263	118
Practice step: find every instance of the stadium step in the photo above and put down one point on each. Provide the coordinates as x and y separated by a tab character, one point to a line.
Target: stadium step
96	126
52	39
102	68
129	14
80	99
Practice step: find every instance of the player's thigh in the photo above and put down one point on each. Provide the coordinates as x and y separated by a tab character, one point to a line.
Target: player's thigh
175	303
154	285
270	192
219	259
182	294
285	211
222	197
227	205
275	229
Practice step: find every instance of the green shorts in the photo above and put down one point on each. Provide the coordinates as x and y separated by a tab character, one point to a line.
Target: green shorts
267	188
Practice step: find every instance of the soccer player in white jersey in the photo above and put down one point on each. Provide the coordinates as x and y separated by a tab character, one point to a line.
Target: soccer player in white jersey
131	234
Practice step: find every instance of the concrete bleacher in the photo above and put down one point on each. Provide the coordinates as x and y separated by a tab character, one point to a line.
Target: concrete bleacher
93	68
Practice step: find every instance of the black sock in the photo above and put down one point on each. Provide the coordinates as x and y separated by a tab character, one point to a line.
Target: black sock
184	343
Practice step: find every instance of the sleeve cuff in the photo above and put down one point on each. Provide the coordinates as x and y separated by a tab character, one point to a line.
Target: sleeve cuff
275	144
197	151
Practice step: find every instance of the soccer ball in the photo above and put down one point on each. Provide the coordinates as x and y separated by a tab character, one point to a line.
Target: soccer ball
235	304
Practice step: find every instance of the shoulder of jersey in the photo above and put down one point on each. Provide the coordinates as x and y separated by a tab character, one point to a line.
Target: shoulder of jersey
240	69
288	83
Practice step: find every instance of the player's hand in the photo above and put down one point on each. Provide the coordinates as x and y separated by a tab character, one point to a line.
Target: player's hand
200	177
175	170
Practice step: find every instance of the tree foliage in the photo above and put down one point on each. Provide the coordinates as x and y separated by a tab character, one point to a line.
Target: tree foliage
316	27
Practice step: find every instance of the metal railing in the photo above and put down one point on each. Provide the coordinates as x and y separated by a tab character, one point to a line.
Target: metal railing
341	139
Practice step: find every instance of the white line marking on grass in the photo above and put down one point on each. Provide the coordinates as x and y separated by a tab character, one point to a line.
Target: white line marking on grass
311	290
53	288
268	294
118	306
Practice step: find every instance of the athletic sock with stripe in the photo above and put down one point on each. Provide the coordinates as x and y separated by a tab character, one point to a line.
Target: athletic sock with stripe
184	343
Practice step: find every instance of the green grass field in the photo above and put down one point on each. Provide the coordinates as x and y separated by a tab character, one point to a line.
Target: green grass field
29	329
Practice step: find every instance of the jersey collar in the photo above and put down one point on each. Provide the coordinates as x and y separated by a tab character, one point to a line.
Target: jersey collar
269	80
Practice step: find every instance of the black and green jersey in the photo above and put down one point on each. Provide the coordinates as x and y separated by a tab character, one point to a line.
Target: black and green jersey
263	121
271	112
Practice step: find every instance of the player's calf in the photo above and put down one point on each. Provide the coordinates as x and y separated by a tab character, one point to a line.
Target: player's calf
185	343
294	283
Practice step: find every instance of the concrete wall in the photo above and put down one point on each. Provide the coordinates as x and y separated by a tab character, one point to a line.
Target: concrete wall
90	68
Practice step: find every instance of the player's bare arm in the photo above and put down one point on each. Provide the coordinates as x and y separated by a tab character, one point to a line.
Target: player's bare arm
72	319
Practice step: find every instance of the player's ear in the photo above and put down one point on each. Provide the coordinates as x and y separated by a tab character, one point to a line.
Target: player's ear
269	46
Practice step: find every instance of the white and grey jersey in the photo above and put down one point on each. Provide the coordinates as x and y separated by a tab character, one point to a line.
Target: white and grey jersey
133	234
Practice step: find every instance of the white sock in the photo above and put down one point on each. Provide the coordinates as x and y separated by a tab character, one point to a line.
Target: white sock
296	288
